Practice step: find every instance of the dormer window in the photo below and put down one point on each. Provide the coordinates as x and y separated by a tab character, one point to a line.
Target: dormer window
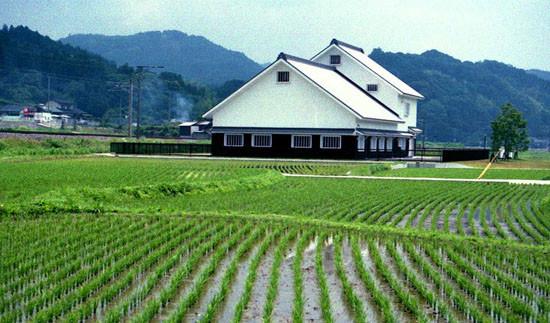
283	77
372	87
335	59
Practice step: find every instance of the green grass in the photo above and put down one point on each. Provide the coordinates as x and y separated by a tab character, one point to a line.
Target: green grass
537	174
15	147
99	185
142	240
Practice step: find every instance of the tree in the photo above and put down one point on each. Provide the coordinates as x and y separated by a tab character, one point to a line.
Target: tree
510	131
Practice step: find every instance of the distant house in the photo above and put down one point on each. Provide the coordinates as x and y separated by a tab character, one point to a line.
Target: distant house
11	110
339	104
195	129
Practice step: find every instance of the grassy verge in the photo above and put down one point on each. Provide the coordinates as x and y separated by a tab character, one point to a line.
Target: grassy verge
16	147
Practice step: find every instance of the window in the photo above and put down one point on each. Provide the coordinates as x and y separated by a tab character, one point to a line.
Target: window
335	59
261	140
407	109
331	142
372	87
233	140
373	143
283	77
301	141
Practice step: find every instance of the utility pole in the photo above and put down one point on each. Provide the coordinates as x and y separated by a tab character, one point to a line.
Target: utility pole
130	104
138	123
49	81
140	69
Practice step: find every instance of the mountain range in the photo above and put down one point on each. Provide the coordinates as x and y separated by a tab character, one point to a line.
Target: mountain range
194	57
462	97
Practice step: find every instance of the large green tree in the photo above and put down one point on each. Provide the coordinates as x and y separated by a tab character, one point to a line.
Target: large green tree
510	131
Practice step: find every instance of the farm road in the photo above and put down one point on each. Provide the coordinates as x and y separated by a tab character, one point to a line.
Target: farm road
509	181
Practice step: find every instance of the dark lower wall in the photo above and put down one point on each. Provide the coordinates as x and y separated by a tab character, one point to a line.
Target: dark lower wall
464	154
280	147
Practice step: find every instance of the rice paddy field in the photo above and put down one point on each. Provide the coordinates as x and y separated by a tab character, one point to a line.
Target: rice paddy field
94	239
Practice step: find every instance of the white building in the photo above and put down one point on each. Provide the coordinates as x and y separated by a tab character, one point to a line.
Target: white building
339	104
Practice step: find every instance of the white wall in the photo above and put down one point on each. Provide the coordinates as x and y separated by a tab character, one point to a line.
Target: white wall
363	76
378	125
299	104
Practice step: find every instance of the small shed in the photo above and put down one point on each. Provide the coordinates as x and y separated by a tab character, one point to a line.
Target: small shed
187	128
195	129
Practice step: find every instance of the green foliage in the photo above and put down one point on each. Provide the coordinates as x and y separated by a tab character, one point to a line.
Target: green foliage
13	147
28	58
510	131
178	52
462	98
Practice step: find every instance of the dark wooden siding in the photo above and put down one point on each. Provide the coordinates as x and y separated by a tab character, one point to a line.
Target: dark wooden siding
281	147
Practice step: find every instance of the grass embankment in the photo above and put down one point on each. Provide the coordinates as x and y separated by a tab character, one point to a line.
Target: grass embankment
20	147
529	159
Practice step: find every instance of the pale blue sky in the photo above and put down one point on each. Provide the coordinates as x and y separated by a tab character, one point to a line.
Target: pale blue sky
515	32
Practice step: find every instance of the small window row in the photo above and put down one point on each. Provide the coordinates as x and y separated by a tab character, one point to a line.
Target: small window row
297	141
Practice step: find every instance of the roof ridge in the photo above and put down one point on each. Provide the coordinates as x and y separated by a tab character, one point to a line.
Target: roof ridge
368	94
384	78
285	57
341	43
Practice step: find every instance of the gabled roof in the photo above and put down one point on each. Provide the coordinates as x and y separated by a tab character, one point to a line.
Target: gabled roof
10	108
359	102
359	55
343	89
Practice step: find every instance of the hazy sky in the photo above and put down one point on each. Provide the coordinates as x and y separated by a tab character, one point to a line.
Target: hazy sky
515	32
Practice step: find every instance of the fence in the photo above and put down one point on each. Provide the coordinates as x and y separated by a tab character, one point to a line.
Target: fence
143	148
451	154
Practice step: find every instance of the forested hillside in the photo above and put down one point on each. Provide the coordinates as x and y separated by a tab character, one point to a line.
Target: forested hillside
194	57
462	98
96	85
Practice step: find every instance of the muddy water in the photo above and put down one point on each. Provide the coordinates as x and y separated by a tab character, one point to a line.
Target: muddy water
431	286
428	220
400	276
440	224
453	217
477	222
254	310
228	309
504	225
340	312
490	223
210	290
398	310
358	286
184	289
312	292
465	223
282	309
415	221
404	220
